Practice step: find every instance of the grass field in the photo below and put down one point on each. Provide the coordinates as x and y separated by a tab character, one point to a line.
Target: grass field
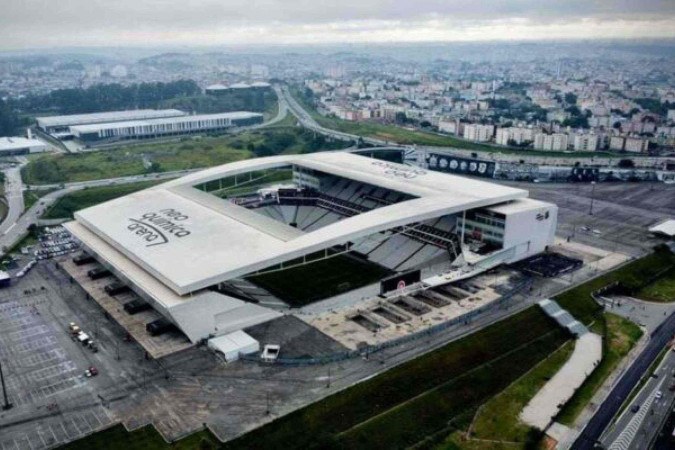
498	418
302	285
185	153
68	204
146	438
661	290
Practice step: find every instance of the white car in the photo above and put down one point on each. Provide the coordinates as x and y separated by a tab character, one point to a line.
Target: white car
270	353
658	395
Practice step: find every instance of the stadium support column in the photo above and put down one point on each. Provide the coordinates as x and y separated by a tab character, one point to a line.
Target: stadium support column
7	405
461	243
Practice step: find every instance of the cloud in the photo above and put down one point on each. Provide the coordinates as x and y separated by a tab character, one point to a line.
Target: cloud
40	23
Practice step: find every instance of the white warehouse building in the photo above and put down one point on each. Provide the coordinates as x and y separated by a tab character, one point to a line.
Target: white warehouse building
62	124
170	126
195	247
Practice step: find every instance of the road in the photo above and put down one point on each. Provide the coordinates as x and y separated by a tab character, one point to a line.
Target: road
14	196
637	430
307	121
609	408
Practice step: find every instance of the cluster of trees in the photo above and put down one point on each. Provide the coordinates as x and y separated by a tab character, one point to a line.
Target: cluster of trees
277	142
9	120
654	105
107	97
257	100
577	118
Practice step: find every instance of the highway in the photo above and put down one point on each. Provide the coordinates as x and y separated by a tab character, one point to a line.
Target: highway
608	409
637	430
307	121
14	196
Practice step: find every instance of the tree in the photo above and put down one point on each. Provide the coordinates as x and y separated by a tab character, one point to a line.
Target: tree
570	98
401	118
626	164
425	124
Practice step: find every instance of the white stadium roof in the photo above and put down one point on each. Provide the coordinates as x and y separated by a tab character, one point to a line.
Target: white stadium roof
174	239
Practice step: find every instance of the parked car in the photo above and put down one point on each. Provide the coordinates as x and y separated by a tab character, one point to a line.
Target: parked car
91	372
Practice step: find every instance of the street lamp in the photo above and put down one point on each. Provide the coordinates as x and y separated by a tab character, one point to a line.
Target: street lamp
590	212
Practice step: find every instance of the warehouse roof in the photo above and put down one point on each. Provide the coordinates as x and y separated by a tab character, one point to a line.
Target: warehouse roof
12	143
95	127
190	240
107	116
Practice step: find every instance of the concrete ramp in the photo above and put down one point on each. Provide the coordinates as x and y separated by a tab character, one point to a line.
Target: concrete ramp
541	410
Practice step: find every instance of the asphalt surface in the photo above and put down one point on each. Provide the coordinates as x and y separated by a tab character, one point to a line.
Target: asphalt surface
14	196
637	430
608	409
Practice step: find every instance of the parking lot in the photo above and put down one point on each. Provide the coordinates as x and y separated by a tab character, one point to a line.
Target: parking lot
53	401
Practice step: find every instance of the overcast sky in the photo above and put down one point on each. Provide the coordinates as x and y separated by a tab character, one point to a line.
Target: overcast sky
57	23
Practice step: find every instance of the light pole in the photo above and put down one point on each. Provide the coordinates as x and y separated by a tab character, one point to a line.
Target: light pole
590	212
7	405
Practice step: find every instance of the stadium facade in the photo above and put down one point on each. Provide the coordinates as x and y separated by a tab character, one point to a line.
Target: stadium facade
169	126
198	248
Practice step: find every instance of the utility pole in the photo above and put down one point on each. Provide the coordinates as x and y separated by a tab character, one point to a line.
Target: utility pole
7	405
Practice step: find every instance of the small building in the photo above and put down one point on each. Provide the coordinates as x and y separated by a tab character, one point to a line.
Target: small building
234	344
11	146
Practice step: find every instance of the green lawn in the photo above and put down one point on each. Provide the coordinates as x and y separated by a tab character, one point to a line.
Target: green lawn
68	204
325	278
661	290
146	438
498	418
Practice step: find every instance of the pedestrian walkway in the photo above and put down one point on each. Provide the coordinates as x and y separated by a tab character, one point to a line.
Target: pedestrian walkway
541	410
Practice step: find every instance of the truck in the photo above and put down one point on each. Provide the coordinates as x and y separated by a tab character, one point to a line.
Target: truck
159	326
116	288
98	272
136	306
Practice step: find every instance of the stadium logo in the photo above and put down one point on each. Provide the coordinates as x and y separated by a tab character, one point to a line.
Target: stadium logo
156	228
398	170
544	216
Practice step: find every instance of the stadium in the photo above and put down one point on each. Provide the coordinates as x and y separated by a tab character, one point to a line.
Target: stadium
244	243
